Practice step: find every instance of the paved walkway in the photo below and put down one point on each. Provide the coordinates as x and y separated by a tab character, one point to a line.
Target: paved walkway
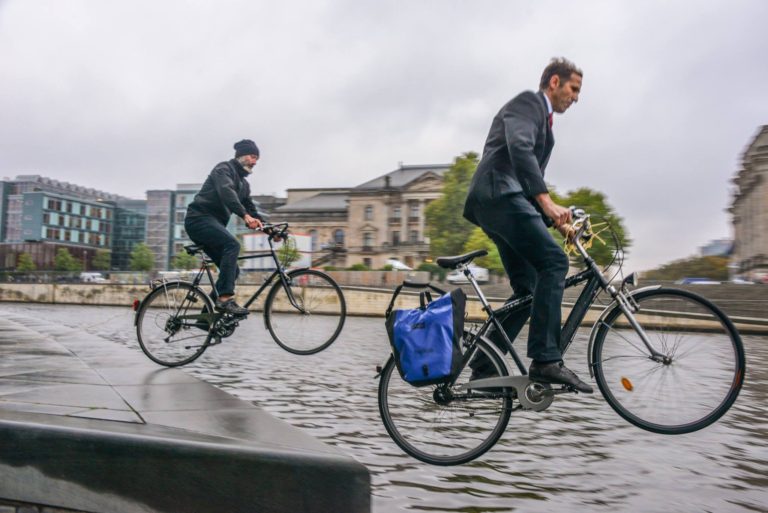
55	378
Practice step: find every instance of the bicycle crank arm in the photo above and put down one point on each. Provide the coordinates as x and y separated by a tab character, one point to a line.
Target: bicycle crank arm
532	396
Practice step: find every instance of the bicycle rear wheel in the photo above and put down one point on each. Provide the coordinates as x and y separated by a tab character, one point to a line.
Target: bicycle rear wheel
317	321
439	424
173	322
698	382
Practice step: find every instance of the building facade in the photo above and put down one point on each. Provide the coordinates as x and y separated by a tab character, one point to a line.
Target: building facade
378	220
129	230
38	216
750	211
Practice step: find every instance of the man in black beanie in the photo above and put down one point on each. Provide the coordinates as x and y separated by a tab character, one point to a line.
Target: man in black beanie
225	192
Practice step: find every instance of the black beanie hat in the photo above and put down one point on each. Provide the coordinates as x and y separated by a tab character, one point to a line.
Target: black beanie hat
246	147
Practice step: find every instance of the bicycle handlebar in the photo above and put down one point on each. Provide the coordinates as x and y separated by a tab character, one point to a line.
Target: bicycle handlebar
274	230
580	222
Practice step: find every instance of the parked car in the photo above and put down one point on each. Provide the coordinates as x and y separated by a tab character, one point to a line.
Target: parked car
480	274
397	265
697	281
742	281
92	278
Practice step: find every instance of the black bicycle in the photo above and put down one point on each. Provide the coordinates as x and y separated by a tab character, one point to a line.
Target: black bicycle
666	360
304	310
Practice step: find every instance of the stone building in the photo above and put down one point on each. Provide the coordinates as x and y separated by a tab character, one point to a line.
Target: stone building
750	211
378	220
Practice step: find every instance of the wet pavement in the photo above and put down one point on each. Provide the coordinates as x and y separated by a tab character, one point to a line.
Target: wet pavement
576	456
99	389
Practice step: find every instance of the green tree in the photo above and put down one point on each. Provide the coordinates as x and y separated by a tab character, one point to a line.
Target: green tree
25	263
713	267
142	258
447	229
64	261
184	261
479	240
102	261
602	215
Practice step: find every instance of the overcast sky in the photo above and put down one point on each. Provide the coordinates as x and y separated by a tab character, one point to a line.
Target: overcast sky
132	96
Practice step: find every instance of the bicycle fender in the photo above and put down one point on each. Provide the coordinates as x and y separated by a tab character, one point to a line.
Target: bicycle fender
595	327
152	286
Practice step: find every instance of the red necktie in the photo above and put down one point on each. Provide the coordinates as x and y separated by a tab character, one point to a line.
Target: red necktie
550	121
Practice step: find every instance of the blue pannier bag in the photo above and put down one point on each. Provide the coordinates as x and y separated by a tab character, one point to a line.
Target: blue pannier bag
426	341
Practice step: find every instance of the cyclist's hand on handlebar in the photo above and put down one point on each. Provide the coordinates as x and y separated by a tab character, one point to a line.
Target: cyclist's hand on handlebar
252	223
559	215
566	230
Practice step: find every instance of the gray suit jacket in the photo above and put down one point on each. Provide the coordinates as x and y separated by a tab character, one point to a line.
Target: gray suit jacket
515	155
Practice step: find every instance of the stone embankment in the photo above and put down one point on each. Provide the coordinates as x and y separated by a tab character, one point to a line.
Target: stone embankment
745	304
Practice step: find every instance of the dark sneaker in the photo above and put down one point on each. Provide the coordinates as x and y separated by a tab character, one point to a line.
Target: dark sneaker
230	307
557	373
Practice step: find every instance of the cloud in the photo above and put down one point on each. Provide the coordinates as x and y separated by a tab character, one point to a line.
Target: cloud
127	97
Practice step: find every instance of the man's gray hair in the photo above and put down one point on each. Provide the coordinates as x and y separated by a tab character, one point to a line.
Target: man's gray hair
561	67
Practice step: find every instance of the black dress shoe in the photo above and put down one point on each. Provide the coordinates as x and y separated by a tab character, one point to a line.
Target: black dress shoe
230	307
557	373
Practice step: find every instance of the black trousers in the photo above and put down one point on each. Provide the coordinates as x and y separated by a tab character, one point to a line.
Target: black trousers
221	246
535	263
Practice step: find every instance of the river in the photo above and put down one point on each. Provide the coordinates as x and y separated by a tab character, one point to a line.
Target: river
576	456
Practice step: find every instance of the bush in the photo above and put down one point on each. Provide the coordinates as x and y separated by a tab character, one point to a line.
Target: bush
358	267
434	270
387	267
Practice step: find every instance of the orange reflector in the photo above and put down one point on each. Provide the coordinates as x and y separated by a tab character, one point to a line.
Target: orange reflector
627	384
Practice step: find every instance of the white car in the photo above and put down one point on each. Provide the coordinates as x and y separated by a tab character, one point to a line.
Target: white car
480	274
397	265
92	278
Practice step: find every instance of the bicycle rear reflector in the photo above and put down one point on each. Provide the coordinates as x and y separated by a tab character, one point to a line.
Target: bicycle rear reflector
627	384
136	304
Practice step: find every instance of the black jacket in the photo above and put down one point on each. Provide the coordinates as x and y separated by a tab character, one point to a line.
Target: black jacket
515	155
225	192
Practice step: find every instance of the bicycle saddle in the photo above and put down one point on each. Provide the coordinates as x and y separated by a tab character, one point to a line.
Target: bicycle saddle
452	262
193	249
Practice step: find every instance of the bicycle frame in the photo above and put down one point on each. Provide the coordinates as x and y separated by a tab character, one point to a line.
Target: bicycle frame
595	281
205	269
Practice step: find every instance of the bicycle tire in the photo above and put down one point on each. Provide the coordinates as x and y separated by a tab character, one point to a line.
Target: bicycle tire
171	324
691	391
447	434
322	319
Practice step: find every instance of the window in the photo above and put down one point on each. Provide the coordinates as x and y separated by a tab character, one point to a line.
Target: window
395	238
367	262
367	240
396	212
413	236
338	237
313	239
180	216
414	208
369	212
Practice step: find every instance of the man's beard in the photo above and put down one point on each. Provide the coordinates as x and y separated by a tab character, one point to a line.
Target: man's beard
248	169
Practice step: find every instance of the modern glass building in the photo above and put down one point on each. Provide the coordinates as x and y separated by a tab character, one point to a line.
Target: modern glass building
39	215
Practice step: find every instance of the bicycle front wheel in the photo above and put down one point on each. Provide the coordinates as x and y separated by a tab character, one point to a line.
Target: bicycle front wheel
699	377
307	316
441	424
173	322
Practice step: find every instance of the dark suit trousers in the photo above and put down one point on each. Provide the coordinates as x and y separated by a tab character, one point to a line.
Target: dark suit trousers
221	246
534	263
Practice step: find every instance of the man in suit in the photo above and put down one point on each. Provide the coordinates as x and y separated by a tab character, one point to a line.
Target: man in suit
509	200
